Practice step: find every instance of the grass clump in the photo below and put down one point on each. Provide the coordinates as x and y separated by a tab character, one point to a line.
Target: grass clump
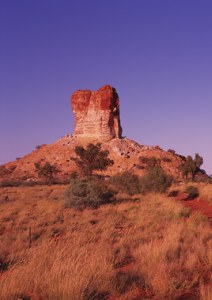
88	192
183	213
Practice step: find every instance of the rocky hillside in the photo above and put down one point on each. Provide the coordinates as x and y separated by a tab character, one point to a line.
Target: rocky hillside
97	119
124	152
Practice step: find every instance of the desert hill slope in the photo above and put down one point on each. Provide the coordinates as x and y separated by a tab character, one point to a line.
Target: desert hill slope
97	119
124	152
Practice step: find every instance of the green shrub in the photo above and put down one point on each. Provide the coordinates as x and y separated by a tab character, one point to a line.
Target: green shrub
191	166
155	180
126	182
46	171
91	158
192	192
88	192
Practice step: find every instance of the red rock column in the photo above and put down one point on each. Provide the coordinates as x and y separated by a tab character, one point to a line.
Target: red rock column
97	113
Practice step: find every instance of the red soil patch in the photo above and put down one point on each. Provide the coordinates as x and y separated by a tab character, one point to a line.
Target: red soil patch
199	205
196	204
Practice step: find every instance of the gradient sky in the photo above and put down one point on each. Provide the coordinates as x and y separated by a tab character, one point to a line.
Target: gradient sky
156	53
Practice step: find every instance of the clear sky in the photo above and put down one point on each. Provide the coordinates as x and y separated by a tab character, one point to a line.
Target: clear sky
156	53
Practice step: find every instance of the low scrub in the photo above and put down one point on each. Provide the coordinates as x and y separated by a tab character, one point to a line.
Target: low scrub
192	192
88	192
126	182
10	183
155	180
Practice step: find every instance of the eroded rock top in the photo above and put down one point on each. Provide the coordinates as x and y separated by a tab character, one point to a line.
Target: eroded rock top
97	113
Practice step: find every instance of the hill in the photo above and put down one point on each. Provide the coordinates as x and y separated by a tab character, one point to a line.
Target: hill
97	119
57	243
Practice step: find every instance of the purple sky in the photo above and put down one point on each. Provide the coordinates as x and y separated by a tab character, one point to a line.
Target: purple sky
157	54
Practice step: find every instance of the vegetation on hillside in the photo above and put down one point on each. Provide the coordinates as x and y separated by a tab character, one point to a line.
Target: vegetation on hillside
46	171
126	182
91	159
155	180
148	246
191	166
87	192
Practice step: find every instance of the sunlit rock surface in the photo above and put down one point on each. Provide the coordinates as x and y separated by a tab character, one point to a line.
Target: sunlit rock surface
97	113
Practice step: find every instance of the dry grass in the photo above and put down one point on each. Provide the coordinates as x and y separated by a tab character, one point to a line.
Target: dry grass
206	291
153	248
206	192
63	270
205	189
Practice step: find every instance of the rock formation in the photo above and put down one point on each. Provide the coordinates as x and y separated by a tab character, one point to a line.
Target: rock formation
97	114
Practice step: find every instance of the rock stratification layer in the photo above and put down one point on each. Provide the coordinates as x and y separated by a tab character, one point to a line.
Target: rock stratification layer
97	113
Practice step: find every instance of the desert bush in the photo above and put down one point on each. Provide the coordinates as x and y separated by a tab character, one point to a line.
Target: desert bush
4	264
74	175
171	151
140	167
192	192
10	183
173	193
46	171
191	166
155	180
144	159
126	182
87	192
92	158
166	159
149	161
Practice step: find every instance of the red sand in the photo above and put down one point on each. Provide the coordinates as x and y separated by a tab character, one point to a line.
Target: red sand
197	204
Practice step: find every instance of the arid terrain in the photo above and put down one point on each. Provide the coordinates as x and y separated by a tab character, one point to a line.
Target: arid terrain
116	220
97	119
144	247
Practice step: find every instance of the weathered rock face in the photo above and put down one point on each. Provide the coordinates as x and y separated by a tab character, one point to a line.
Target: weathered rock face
97	113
